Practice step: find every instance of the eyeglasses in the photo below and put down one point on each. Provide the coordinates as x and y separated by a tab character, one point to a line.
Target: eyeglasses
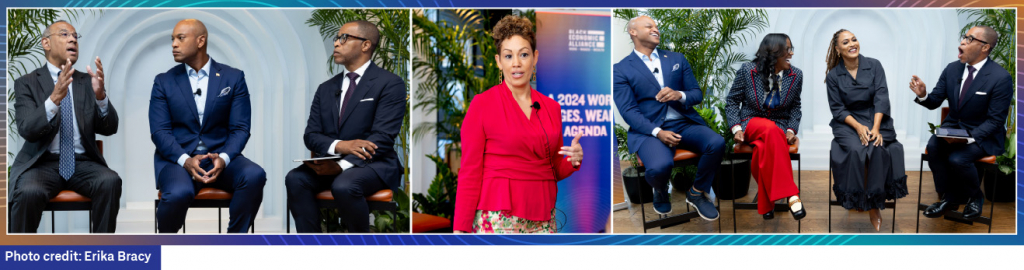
65	34
970	39
791	49
345	37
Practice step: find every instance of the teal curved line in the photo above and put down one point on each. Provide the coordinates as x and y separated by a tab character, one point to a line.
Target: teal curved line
706	238
752	240
307	4
194	4
723	240
669	242
162	3
834	239
139	4
512	239
652	239
766	240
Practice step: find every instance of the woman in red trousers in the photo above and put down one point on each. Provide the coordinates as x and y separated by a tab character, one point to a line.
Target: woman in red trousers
763	109
512	153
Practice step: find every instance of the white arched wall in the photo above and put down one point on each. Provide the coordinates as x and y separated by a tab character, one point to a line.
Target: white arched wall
907	42
284	60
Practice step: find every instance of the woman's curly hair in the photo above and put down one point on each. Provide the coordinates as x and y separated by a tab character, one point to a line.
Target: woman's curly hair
512	25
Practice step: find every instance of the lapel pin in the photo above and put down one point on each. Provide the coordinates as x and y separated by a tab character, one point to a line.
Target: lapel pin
218	74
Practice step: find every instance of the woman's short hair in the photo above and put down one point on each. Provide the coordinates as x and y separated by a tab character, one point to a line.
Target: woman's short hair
512	25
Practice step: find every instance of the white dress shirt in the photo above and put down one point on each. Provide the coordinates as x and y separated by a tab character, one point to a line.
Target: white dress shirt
200	79
52	109
654	62
345	165
963	79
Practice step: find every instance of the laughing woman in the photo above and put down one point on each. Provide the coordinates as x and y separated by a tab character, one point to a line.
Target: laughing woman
867	160
763	110
512	153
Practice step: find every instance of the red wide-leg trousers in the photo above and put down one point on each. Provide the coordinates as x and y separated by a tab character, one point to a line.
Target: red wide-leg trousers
770	165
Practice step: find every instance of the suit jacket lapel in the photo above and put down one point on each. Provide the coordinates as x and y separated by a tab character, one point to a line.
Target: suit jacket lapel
185	88
364	85
640	67
755	80
79	98
334	107
666	69
214	83
45	80
976	82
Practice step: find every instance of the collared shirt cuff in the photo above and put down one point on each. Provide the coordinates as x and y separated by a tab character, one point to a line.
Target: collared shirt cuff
736	128
226	159
790	130
182	159
970	140
345	165
51	109
683	99
655	131
103	106
922	99
330	150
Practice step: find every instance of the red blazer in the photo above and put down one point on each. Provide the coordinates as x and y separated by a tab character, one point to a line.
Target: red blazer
505	165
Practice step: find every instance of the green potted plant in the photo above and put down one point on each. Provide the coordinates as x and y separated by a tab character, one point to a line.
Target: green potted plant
633	173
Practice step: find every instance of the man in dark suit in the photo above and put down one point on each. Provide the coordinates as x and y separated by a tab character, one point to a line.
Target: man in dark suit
979	93
661	118
199	117
60	111
355	115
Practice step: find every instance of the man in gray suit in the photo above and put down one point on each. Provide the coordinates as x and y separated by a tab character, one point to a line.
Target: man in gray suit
60	110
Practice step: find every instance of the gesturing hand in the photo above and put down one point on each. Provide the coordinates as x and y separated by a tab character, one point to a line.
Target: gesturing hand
97	80
574	153
60	89
361	148
917	86
669	138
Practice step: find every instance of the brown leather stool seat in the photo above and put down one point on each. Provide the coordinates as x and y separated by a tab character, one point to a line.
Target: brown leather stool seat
422	223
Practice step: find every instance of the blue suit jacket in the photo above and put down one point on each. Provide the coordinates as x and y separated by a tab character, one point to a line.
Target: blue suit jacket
174	118
636	88
985	105
375	113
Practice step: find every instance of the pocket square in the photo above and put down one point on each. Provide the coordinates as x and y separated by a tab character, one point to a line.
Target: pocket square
675	67
981	93
366	99
225	91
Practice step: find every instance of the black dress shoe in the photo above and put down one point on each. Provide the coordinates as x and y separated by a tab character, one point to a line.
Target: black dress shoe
769	215
973	208
938	209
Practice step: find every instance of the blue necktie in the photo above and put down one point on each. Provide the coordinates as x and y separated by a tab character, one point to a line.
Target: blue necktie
772	100
67	141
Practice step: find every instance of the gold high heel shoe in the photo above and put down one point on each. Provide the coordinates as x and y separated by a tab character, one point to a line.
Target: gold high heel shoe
876	219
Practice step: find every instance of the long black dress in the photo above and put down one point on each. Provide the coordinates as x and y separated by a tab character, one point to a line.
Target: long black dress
851	161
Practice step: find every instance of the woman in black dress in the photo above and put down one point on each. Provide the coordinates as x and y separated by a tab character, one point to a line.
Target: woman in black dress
867	161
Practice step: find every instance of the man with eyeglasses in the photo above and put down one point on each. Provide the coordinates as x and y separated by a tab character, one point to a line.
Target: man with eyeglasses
979	93
60	110
355	117
199	117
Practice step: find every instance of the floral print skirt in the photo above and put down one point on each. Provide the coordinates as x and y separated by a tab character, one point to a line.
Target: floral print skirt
503	222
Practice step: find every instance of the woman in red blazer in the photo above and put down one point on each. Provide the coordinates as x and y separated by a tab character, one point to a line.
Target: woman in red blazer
512	156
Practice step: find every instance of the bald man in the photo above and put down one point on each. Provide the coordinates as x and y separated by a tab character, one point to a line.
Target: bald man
60	110
199	117
655	92
980	92
355	116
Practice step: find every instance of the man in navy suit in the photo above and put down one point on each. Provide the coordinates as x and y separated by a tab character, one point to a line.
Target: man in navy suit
979	93
199	117
356	116
655	92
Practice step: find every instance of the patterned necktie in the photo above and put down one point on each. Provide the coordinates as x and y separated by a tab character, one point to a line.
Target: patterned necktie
348	94
67	142
772	100
967	85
